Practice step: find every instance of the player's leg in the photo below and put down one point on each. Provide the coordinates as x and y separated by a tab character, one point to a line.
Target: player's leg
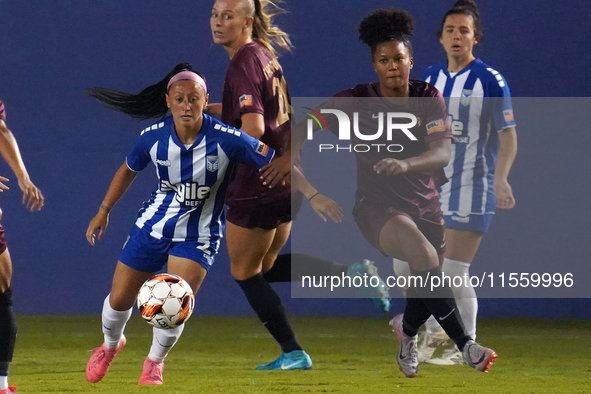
247	248
164	339
461	248
401	238
289	267
433	336
462	245
116	312
140	258
8	326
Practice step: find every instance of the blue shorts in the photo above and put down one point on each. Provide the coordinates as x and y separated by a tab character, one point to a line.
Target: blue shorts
148	254
470	222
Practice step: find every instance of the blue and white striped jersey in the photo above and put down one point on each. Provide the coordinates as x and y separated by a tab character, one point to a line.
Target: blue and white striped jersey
188	204
479	102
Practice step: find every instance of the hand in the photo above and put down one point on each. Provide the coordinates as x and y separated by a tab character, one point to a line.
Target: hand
2	185
98	223
278	171
32	197
504	194
324	205
391	166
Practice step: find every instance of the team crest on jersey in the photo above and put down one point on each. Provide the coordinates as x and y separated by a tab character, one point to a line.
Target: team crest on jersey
212	163
466	96
262	149
245	99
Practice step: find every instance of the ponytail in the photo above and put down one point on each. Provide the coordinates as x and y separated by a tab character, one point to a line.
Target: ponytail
263	30
149	103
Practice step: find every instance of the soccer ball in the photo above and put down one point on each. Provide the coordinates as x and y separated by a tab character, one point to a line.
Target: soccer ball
165	301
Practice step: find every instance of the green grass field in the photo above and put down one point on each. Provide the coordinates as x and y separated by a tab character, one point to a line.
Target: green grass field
218	354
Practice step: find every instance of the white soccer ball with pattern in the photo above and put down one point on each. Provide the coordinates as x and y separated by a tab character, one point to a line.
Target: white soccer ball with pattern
165	301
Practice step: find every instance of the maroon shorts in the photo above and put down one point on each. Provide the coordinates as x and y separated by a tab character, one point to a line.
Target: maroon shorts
371	217
2	240
266	216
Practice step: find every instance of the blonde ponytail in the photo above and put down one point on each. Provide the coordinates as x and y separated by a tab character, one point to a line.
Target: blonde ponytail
263	30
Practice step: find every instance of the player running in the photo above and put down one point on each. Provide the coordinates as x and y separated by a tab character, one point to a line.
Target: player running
397	203
256	100
183	222
483	151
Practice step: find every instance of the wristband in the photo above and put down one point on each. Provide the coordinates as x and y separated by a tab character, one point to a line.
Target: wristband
310	199
105	208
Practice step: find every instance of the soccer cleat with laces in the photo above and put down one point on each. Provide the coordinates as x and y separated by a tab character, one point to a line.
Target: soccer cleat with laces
378	294
428	342
478	356
101	360
151	372
9	390
297	359
407	357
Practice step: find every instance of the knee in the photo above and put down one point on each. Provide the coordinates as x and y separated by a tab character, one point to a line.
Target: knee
424	258
121	301
242	271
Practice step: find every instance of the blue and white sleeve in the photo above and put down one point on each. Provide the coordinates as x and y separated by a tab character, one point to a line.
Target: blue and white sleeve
502	107
139	156
246	149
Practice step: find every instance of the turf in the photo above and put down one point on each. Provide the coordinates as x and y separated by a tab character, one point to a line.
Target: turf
218	354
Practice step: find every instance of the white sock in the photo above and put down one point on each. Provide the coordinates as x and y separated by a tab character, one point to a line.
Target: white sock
465	295
163	341
3	382
113	324
402	269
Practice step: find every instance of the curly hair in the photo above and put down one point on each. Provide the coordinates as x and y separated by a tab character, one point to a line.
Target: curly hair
385	25
465	7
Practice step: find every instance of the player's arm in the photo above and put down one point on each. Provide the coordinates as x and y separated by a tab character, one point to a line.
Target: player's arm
32	197
279	170
321	204
437	156
253	124
505	159
121	181
214	109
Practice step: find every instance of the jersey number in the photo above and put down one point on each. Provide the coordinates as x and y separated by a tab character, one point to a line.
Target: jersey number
280	91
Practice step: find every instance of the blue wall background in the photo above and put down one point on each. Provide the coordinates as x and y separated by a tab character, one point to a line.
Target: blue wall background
52	51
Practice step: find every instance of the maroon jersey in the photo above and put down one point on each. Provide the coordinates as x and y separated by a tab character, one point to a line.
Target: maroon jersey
2	112
254	83
412	192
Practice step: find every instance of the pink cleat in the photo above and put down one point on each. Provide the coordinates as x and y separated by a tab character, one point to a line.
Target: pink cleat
101	360
9	390
152	372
